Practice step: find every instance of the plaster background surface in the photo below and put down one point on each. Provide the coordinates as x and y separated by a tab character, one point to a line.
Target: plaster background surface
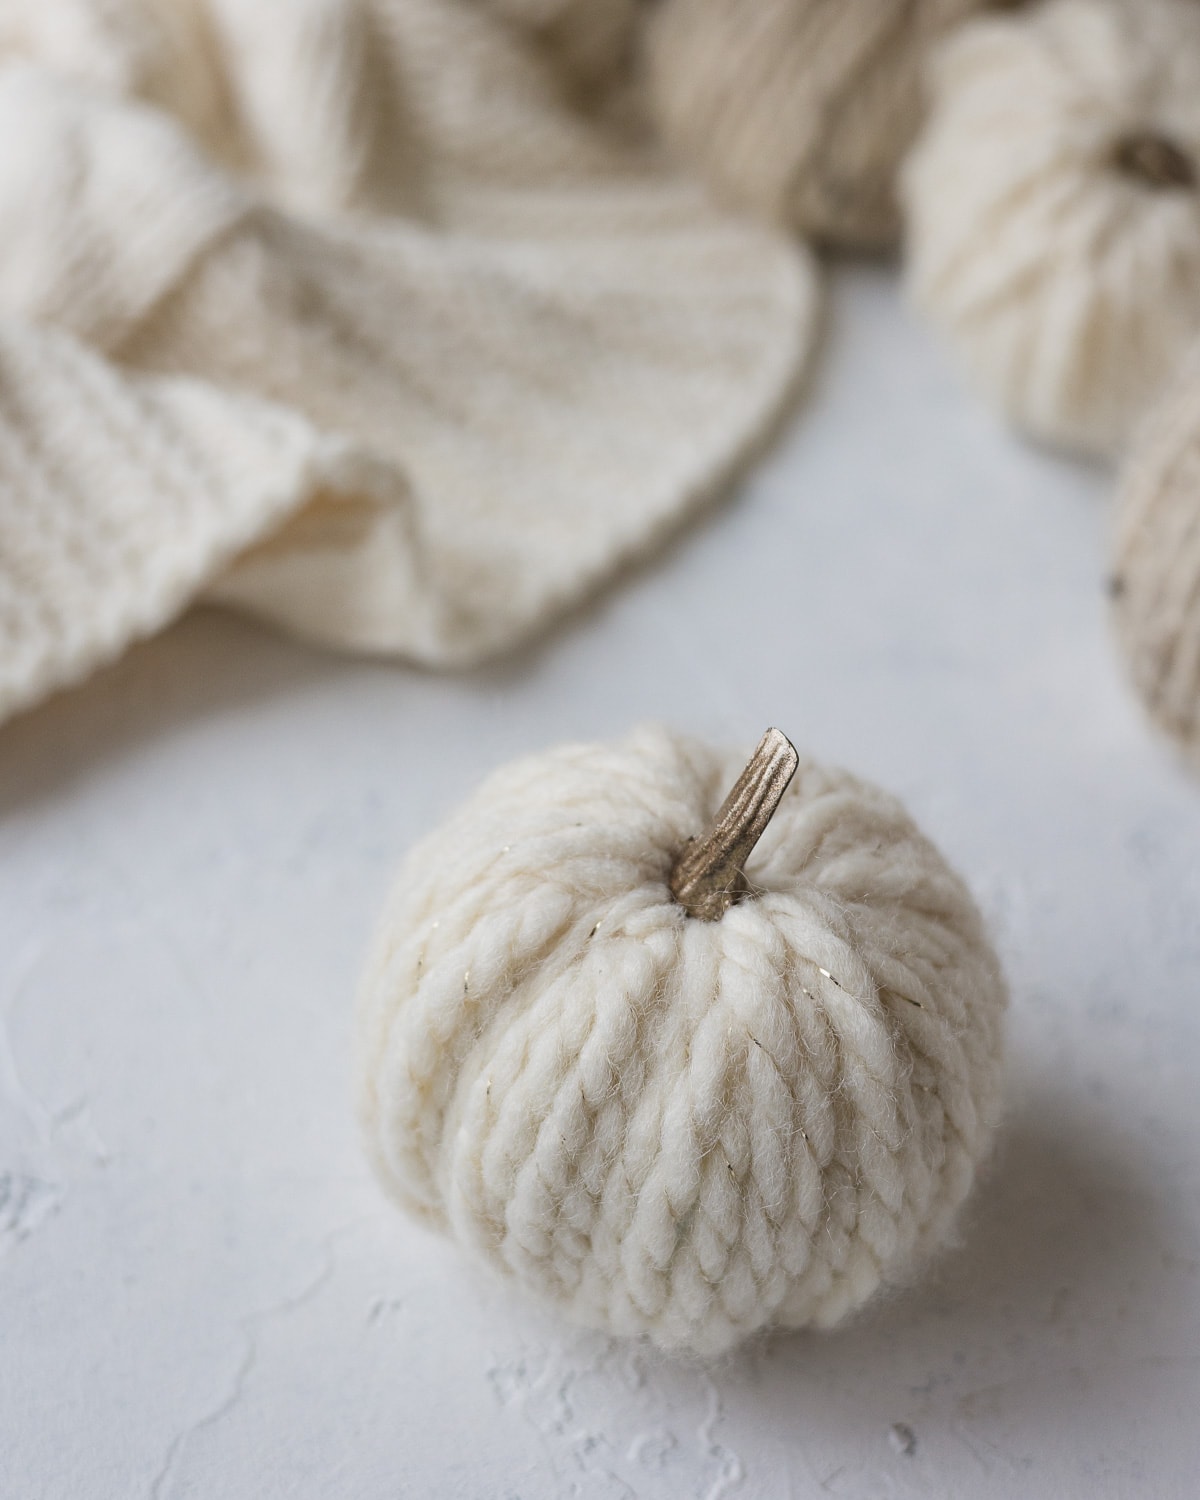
202	1293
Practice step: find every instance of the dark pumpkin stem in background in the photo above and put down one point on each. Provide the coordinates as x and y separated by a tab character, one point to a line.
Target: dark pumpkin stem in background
710	875
1155	160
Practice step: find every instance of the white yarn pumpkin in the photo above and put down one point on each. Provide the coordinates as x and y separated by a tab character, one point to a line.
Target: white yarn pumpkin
799	109
1054	214
662	1125
1156	567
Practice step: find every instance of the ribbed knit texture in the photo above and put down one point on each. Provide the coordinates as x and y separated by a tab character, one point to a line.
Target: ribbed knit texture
800	109
1156	565
425	350
1066	279
665	1126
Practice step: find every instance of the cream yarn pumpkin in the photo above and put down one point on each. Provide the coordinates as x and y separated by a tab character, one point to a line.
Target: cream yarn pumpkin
798	109
1156	572
1054	213
669	1114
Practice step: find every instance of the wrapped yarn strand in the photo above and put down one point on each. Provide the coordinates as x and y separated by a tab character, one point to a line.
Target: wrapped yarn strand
615	1064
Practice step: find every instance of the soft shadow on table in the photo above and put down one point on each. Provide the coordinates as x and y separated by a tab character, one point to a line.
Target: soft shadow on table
209	664
214	663
1063	1273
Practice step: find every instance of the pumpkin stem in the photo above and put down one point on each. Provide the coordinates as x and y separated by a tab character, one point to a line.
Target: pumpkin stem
1155	160
710	875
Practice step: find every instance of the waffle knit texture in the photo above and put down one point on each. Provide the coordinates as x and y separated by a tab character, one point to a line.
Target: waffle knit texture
664	1126
1067	281
353	314
1156	565
800	109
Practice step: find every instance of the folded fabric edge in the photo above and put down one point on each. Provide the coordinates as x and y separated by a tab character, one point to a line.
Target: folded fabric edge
356	596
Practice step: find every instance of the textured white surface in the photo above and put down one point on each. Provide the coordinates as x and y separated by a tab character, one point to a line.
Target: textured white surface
201	1291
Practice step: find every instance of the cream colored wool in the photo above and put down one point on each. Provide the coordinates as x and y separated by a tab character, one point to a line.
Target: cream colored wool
309	96
800	109
435	360
662	1125
1156	565
161	51
1068	283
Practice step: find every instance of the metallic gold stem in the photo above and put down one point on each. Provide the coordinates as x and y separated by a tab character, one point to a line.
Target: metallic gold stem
709	876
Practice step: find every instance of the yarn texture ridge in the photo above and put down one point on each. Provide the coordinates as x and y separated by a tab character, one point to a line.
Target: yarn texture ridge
799	109
380	336
685	1129
1156	565
1054	211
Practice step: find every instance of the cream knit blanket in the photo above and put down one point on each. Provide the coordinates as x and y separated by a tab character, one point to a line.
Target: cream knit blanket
355	313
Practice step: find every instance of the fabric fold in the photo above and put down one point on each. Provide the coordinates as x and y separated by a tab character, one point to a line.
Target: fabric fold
121	497
411	385
102	207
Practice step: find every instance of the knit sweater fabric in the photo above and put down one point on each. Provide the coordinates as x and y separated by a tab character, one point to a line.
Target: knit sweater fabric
355	314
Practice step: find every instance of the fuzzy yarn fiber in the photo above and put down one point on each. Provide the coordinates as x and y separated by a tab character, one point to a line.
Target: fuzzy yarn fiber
665	1126
1156	568
799	109
1054	212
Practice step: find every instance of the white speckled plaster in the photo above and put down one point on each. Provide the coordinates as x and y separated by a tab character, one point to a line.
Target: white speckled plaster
202	1293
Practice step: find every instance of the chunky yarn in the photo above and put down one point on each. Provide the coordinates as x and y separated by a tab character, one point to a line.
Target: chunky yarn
799	109
1054	210
1156	577
683	1128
